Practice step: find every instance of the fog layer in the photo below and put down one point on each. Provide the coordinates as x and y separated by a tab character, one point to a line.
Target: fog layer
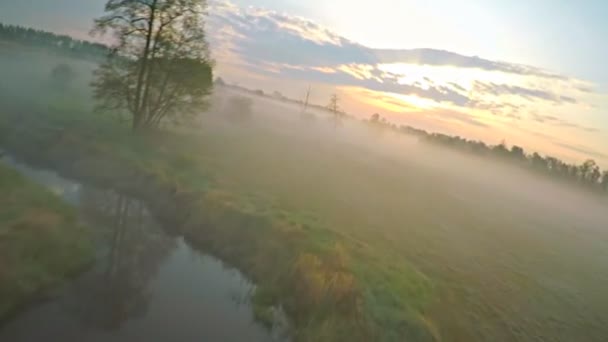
513	256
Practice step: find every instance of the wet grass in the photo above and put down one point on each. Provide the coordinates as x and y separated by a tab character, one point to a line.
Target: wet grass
41	242
333	286
301	213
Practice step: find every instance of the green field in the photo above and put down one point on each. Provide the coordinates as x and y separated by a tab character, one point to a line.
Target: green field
359	234
41	242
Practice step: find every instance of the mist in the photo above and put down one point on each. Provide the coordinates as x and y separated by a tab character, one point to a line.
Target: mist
522	246
511	252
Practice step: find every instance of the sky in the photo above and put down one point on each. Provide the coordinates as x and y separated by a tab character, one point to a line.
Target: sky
531	73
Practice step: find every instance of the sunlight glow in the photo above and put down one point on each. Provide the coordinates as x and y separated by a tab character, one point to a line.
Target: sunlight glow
413	101
428	75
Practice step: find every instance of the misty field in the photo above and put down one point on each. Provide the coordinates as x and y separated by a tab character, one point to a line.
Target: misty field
463	248
41	241
512	256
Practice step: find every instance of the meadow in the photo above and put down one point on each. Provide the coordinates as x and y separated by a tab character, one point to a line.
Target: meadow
358	232
42	244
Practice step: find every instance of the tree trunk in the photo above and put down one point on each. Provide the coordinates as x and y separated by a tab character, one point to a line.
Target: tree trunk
136	122
139	105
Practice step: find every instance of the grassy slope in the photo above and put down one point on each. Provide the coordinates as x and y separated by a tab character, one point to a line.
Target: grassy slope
334	286
41	242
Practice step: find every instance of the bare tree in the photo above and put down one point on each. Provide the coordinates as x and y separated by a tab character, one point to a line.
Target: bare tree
159	67
334	107
305	107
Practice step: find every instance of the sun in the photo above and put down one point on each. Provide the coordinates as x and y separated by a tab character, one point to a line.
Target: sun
413	101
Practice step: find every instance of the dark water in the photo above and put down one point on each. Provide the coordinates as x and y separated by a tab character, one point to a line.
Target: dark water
144	286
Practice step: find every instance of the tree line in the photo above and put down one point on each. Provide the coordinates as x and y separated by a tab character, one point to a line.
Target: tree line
52	41
588	175
160	67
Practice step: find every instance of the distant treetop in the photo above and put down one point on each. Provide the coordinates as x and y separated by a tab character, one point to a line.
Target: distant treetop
56	42
587	175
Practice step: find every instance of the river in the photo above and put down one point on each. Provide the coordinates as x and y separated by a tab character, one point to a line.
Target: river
145	285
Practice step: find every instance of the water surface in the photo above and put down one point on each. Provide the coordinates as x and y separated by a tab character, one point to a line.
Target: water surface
145	285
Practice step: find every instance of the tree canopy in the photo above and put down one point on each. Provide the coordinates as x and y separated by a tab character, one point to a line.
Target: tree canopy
59	43
587	174
160	66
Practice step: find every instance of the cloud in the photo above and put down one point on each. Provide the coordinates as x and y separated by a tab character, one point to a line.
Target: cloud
288	47
499	108
369	78
581	149
528	93
577	126
270	36
455	116
447	58
553	120
265	35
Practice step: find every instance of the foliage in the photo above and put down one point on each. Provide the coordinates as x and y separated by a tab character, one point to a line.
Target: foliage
334	107
62	76
160	67
326	282
54	42
239	108
588	174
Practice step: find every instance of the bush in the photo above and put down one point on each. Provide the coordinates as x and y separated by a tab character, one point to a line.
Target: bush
239	108
62	76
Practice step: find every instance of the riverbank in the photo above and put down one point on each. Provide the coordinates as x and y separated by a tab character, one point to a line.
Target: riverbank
332	286
140	274
41	242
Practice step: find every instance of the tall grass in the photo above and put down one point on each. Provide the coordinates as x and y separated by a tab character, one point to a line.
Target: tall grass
41	241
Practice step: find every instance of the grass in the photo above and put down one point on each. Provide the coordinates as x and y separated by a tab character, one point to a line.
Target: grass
333	287
41	242
355	241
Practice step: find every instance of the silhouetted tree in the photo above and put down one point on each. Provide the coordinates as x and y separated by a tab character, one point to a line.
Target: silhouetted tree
160	66
58	43
62	75
573	172
588	174
517	153
375	118
537	161
239	108
220	82
605	181
334	107
501	149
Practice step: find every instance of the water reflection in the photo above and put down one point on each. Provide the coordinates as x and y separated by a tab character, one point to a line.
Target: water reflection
132	248
145	285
